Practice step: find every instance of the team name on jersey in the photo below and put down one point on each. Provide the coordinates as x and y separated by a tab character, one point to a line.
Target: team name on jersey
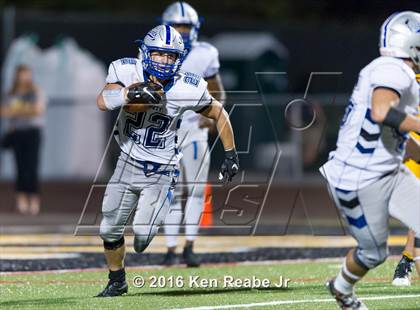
191	78
128	61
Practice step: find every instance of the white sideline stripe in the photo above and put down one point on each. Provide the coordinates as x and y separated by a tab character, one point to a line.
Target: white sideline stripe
288	302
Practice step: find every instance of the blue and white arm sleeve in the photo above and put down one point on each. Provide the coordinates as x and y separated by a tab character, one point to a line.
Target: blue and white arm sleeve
113	98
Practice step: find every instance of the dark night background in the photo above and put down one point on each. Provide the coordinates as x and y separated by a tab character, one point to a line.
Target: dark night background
320	35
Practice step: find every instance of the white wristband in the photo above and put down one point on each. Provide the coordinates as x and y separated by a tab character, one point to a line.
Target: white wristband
113	98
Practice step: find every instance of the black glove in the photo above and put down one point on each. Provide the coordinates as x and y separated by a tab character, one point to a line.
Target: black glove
229	167
145	92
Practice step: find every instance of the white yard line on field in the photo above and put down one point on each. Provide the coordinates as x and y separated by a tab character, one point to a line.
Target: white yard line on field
289	302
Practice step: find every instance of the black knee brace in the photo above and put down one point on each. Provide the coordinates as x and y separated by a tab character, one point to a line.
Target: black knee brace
114	245
417	242
370	258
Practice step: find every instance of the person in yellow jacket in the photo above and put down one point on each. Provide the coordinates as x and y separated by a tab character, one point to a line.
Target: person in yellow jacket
405	265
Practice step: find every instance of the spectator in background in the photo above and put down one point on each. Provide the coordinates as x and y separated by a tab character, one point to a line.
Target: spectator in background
24	106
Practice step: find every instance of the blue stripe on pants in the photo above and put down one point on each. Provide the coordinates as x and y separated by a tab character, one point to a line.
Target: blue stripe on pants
195	145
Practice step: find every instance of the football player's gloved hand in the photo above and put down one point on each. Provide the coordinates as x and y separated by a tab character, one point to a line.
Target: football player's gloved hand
229	167
145	92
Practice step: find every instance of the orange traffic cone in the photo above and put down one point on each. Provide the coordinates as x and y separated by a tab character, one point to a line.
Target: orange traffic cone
207	215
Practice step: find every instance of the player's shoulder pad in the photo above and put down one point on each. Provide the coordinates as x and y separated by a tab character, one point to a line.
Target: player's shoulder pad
191	79
188	86
392	65
209	48
126	62
123	70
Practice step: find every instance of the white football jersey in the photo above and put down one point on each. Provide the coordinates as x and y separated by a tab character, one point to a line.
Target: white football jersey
203	60
366	151
151	135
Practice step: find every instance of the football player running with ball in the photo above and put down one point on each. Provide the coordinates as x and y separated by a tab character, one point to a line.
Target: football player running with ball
153	95
203	60
365	174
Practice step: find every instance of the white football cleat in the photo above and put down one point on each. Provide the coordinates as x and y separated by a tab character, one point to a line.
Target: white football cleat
345	302
402	272
405	281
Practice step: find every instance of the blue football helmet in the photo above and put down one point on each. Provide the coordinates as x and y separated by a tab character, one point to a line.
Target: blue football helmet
181	13
163	38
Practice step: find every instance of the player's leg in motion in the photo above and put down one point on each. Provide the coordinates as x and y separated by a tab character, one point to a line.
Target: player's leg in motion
174	218
195	167
196	174
405	265
153	205
366	213
405	206
417	252
119	201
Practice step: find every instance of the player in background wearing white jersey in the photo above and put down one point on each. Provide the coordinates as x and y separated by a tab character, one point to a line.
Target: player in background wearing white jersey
365	174
153	95
409	257
202	59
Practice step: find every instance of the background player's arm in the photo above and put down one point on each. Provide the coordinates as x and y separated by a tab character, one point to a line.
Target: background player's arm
230	165
216	112
383	100
216	89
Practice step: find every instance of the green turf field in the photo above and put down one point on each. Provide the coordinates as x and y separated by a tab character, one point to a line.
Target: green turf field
305	291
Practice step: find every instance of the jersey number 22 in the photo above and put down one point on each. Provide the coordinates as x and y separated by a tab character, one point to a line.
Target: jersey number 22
159	123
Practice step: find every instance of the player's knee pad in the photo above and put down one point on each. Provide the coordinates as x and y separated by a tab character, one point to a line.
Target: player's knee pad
109	232
104	232
113	245
369	258
141	243
143	236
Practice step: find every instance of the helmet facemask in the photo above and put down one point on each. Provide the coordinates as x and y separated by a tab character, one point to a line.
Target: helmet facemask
160	70
190	36
163	39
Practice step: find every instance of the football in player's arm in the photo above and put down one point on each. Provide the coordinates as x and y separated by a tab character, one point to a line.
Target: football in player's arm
139	97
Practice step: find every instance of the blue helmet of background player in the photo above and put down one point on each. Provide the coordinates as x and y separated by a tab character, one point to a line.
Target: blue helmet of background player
181	13
163	38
